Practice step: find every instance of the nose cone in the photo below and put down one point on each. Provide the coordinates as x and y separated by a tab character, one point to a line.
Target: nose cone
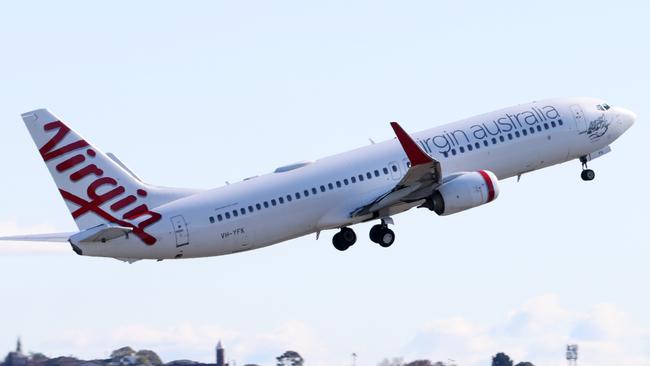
626	118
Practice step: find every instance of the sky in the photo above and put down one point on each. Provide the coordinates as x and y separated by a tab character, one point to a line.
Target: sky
193	94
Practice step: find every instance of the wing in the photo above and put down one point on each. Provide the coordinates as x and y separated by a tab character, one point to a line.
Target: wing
423	176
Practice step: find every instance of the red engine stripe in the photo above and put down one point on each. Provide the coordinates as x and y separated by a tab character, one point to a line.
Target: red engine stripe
488	182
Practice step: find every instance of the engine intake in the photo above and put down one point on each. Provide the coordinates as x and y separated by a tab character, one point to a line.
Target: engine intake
466	190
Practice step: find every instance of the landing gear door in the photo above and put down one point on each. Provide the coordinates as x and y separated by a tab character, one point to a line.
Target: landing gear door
579	117
180	230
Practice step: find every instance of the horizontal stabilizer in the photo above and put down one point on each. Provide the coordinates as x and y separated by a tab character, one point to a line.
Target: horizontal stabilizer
100	234
52	238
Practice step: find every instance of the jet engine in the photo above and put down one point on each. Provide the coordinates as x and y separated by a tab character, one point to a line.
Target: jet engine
463	191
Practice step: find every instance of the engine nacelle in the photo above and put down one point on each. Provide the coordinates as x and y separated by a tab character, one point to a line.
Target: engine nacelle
465	191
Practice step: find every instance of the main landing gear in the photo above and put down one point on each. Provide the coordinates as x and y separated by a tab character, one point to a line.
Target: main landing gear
344	239
379	234
587	174
382	235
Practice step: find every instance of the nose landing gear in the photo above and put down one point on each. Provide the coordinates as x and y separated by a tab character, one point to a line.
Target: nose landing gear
587	174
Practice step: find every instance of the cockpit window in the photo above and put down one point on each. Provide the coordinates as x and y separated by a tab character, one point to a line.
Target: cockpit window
603	107
606	106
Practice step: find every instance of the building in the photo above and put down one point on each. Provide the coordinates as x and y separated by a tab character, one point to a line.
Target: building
221	355
16	358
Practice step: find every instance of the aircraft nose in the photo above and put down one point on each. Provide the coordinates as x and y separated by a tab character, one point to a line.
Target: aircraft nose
627	117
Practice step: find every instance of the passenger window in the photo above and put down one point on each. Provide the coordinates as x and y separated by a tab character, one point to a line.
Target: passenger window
368	175
477	145
322	188
485	143
517	134
353	180
219	217
445	154
532	130
376	173
227	215
553	124
331	186
525	132
462	150
297	195
509	136
258	206
394	168
546	126
559	121
539	128
469	147
314	190
338	183
235	213
266	204
281	200
211	220
494	141
289	197
453	152
385	170
360	177
250	208
501	138
345	181
273	202
243	211
306	193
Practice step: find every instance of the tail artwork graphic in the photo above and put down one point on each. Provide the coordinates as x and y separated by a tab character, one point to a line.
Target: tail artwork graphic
97	188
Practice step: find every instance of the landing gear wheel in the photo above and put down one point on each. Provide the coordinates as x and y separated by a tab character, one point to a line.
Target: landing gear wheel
375	233
387	238
382	235
344	239
588	175
338	242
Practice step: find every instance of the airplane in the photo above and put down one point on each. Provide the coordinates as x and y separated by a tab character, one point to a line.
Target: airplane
446	169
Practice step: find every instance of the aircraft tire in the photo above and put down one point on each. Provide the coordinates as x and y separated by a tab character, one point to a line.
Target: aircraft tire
588	175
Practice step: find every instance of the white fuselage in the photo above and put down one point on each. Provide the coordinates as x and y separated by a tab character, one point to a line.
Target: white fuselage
320	195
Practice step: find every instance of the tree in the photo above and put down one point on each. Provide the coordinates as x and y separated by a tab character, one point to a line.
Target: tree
395	361
420	363
501	359
146	357
122	352
525	364
290	358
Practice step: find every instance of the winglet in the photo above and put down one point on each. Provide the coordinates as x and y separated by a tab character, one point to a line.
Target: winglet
414	153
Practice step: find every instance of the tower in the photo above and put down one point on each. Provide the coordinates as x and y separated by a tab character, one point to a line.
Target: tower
19	346
572	354
221	355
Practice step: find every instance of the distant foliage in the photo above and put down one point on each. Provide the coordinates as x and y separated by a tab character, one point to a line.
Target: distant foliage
525	364
290	358
501	359
395	361
122	352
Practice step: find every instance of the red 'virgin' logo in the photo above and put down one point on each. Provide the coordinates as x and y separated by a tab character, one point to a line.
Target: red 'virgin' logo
95	200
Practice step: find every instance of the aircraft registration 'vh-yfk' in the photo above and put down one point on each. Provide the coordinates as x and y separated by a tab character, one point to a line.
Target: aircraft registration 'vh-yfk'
447	169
